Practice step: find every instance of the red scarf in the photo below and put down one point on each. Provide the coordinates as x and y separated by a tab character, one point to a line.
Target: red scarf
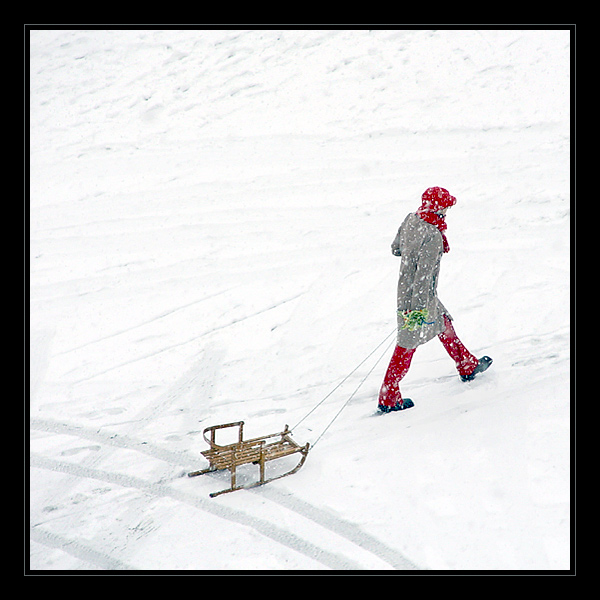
437	220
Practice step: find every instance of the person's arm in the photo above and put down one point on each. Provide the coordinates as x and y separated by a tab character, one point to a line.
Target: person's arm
396	245
424	282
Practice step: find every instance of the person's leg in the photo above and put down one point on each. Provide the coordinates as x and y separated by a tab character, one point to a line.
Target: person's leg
389	395
465	361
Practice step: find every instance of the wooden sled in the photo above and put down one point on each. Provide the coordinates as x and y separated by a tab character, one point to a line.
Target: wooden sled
255	451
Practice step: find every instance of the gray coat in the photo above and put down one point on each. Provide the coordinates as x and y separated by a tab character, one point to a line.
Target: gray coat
421	247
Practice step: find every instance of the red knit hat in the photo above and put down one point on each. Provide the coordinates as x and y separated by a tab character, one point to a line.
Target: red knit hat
436	198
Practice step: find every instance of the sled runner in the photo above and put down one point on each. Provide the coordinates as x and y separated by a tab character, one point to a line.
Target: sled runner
254	451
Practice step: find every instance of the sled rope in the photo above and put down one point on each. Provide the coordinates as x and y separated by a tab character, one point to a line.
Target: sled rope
345	379
258	451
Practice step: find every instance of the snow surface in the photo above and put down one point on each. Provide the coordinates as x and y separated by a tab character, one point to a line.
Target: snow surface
210	226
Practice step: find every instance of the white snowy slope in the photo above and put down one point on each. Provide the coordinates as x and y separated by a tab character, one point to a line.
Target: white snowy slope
210	226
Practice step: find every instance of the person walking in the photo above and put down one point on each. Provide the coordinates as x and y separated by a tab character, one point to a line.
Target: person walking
421	243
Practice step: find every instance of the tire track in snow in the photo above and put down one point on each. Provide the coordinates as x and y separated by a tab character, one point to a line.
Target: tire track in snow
116	440
269	530
77	549
113	442
345	529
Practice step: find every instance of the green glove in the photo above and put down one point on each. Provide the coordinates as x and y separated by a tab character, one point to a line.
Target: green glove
414	319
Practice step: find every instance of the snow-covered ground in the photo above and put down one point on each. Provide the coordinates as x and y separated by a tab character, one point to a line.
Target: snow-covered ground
210	225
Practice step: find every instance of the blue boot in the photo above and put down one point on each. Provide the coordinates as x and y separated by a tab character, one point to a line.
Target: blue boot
406	403
482	366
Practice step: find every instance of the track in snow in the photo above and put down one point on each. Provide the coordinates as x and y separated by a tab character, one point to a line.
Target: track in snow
359	541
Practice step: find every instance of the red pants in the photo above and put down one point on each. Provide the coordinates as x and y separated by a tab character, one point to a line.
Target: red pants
402	357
